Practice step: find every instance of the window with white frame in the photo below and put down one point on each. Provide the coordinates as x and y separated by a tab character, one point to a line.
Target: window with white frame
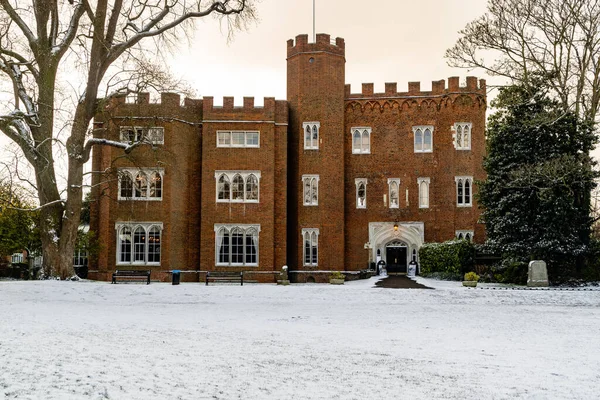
311	135
423	139
462	135
140	184
394	192
238	139
138	243
310	238
80	258
133	134
311	189
423	184
464	234
361	140
361	192
464	186
237	186
236	245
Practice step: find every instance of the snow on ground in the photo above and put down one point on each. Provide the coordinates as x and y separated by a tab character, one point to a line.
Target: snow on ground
94	340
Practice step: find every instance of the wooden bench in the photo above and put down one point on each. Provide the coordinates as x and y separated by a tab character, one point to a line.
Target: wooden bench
131	275
225	276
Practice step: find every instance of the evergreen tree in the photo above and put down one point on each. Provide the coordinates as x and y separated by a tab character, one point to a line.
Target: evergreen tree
17	224
539	178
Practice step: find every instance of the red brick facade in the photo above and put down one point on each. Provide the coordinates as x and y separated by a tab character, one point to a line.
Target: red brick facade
386	222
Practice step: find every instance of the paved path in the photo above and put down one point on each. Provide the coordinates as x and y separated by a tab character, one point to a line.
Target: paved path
399	282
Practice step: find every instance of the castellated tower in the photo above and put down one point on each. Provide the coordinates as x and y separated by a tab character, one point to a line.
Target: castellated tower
315	94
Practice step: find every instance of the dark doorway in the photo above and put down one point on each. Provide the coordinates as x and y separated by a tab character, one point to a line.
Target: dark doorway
396	259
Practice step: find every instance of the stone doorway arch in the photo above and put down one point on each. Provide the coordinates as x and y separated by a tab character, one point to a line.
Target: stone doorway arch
412	234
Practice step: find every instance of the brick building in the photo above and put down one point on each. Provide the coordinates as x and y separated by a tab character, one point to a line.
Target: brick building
327	180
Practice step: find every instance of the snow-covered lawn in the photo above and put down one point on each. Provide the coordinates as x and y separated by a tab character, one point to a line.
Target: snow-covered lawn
93	340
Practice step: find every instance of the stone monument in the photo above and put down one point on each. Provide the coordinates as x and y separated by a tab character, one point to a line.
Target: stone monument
537	274
283	276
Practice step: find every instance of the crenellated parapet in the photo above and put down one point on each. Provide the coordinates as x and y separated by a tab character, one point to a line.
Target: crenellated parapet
440	95
272	110
323	43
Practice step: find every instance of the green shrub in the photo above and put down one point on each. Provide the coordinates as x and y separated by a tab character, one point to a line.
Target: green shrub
451	259
471	276
336	275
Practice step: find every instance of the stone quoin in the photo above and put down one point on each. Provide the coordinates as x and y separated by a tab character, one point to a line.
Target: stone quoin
326	180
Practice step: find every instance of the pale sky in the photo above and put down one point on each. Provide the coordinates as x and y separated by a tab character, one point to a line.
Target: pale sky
386	41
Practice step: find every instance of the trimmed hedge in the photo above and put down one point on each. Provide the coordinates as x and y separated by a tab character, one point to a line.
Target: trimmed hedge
451	259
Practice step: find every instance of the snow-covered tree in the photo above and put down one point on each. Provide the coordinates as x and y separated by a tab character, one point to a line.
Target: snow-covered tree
536	197
88	42
521	40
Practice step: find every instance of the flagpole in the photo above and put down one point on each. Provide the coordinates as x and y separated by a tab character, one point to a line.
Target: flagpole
314	32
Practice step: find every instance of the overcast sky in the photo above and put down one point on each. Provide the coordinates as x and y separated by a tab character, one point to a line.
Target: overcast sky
386	41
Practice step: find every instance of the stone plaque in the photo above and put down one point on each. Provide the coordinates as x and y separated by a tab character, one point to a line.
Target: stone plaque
537	275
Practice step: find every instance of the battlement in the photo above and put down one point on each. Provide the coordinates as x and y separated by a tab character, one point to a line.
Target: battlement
438	88
323	43
272	110
167	99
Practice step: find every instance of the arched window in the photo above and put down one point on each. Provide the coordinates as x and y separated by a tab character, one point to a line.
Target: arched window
155	185
311	135
427	140
251	247
141	185
418	140
126	185
223	188
394	188
237	188
423	192
414	255
366	143
460	236
464	185
223	246
311	189
356	142
423	139
468	237
154	245
361	193
125	245
463	136
310	238
314	248
237	246
139	245
251	188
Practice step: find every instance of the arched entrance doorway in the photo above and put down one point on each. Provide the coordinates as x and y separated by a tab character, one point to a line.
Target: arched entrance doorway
403	238
396	255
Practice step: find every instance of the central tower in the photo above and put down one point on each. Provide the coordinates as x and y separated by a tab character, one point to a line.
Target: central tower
315	94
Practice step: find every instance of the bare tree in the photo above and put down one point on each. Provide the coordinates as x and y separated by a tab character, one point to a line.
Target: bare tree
558	40
37	39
